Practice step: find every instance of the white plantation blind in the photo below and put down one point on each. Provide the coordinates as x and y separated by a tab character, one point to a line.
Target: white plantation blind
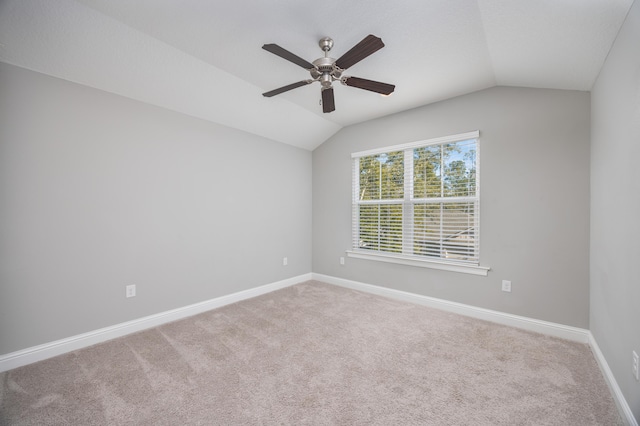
419	200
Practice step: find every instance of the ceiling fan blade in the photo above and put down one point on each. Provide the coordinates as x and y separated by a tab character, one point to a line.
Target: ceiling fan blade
373	86
285	54
328	101
286	88
370	44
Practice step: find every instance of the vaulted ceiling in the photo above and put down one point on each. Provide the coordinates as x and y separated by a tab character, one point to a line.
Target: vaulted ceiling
204	58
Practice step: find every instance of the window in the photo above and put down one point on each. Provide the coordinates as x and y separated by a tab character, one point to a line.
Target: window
419	203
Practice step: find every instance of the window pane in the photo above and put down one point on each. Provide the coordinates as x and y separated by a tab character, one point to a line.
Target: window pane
381	227
447	170
445	230
426	230
459	169
382	176
427	177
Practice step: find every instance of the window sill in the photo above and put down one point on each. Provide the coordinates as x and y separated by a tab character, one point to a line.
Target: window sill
433	264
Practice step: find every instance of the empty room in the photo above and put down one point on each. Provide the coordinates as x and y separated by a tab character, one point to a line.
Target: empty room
303	213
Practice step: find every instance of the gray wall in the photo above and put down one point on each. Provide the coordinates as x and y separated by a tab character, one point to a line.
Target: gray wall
534	180
98	191
615	207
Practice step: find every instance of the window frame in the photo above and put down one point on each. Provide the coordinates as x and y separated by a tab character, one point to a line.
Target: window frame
408	202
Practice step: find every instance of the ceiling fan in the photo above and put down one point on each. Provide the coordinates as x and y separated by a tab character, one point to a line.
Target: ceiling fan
326	70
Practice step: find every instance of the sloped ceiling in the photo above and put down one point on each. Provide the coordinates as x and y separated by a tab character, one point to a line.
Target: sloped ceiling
204	58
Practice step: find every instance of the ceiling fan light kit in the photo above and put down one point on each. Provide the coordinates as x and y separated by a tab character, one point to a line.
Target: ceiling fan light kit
326	70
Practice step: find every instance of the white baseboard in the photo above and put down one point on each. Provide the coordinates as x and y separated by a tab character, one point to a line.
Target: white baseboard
618	397
549	328
59	347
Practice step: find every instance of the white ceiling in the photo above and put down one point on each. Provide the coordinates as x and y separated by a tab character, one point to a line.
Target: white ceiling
204	58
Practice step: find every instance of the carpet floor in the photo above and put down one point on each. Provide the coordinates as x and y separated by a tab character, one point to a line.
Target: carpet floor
316	354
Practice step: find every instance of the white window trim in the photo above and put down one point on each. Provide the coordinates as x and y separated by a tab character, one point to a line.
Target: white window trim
418	261
423	263
453	138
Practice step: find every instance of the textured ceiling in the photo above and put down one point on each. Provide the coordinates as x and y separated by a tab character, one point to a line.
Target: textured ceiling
204	58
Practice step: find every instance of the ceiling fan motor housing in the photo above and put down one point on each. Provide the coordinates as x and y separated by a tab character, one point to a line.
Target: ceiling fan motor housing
325	71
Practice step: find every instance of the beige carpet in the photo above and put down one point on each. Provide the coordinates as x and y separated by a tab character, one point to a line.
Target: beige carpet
316	354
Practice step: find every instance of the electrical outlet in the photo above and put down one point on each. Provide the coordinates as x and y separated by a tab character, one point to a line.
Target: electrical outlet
131	290
285	261
506	286
635	367
342	260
